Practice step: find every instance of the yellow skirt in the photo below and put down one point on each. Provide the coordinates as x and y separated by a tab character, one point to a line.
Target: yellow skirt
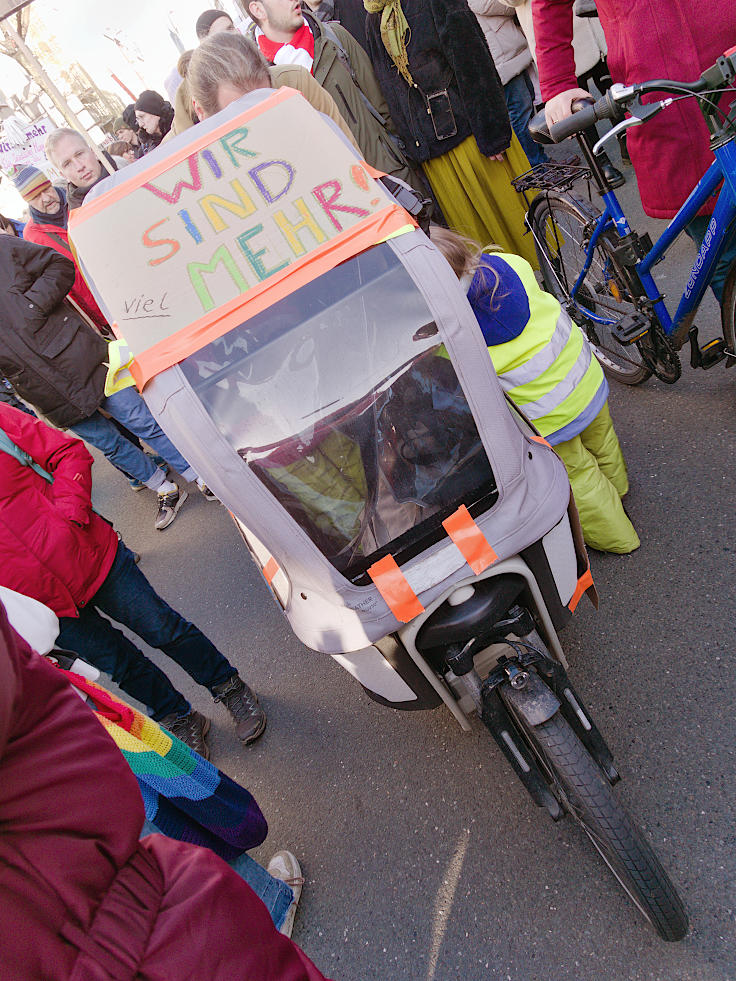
477	198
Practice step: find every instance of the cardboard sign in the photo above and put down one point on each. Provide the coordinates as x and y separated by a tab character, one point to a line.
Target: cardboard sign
22	144
243	214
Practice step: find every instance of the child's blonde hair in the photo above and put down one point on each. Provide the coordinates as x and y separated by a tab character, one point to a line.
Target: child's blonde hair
464	255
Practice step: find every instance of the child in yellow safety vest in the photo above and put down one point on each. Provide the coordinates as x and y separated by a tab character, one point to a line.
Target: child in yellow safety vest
546	366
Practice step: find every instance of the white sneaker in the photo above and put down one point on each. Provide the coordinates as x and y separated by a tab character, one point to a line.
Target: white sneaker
205	491
168	507
284	866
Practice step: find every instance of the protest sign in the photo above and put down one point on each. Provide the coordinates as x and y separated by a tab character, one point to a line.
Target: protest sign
21	143
225	225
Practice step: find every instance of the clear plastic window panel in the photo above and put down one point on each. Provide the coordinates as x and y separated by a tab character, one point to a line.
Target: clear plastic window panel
343	402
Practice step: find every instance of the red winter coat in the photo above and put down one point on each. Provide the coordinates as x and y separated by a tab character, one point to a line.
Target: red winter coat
57	238
53	547
81	899
647	39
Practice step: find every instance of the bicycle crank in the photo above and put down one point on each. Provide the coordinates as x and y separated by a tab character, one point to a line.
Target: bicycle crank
659	355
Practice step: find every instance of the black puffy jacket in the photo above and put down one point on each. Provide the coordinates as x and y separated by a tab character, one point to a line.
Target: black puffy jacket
51	357
447	52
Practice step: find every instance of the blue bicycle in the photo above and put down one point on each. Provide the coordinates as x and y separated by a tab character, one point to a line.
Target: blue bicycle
601	270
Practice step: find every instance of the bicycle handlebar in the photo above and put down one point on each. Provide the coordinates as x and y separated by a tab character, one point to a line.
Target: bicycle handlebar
613	104
581	119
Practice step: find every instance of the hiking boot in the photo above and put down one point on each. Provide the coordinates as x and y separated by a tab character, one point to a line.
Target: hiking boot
612	174
284	866
242	704
191	729
168	506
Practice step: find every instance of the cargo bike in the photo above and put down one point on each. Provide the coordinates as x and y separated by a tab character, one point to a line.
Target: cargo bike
315	359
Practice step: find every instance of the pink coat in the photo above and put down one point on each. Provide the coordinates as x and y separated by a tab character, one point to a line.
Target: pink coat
81	899
648	39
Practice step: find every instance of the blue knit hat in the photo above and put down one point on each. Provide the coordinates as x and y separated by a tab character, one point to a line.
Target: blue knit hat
30	181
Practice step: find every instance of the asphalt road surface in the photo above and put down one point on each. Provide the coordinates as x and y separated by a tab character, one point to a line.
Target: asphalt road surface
424	857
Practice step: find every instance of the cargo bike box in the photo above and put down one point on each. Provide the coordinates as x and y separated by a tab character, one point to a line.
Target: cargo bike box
315	359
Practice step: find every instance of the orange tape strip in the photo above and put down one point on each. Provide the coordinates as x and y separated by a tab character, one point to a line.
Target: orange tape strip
471	541
371	171
395	589
584	582
540	439
270	569
91	208
212	325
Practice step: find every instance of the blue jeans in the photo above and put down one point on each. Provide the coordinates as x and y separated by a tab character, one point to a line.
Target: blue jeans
127	597
696	230
276	896
128	408
519	94
9	396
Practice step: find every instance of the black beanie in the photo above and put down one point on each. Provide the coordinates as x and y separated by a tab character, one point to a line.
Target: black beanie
129	117
207	19
152	102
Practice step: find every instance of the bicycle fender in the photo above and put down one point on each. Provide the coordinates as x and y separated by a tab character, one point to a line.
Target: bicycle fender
535	703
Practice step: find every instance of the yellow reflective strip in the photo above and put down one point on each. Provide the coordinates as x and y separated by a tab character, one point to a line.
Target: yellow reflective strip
399	231
118	375
553	376
577	402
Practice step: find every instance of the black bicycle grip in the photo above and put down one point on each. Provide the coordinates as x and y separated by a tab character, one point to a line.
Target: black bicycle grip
582	119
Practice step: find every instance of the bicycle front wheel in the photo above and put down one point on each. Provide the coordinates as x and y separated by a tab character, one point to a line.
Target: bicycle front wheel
561	229
588	797
728	309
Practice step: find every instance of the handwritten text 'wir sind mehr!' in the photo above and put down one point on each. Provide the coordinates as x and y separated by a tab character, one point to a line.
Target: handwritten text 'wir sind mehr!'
314	216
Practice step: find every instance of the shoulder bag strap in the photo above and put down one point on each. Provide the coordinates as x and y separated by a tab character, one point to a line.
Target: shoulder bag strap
9	447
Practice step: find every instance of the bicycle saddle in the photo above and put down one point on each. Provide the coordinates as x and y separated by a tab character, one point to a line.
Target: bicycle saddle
538	129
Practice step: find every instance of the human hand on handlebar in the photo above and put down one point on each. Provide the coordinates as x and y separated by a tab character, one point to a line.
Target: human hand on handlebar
559	106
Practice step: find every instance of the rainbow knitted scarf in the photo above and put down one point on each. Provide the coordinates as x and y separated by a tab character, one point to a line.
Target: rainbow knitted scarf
184	795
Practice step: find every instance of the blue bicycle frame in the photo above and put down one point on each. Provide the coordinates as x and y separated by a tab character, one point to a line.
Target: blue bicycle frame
716	238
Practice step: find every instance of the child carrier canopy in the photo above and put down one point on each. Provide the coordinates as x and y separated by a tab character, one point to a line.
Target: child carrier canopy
315	359
214	226
343	402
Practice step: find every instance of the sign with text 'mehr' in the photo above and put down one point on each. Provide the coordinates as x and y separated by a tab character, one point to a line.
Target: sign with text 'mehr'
242	214
22	144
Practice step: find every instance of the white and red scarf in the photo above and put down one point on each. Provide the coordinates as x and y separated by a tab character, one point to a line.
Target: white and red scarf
299	51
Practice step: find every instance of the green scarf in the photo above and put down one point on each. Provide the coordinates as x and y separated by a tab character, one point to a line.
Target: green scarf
394	32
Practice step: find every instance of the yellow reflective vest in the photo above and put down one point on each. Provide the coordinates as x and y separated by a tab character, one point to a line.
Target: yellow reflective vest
549	369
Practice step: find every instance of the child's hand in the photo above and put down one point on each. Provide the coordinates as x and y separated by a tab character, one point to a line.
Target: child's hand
496	156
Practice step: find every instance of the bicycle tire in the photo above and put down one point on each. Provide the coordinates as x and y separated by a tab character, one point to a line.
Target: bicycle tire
558	222
589	799
728	308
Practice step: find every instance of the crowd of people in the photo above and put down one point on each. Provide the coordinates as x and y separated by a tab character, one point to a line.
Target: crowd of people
437	94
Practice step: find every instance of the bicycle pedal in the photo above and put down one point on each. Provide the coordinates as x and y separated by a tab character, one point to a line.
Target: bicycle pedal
712	353
709	354
630	330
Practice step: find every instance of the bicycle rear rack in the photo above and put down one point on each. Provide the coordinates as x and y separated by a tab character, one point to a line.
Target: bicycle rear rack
550	177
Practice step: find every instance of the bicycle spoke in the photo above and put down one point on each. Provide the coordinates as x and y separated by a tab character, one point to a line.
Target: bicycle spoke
561	227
